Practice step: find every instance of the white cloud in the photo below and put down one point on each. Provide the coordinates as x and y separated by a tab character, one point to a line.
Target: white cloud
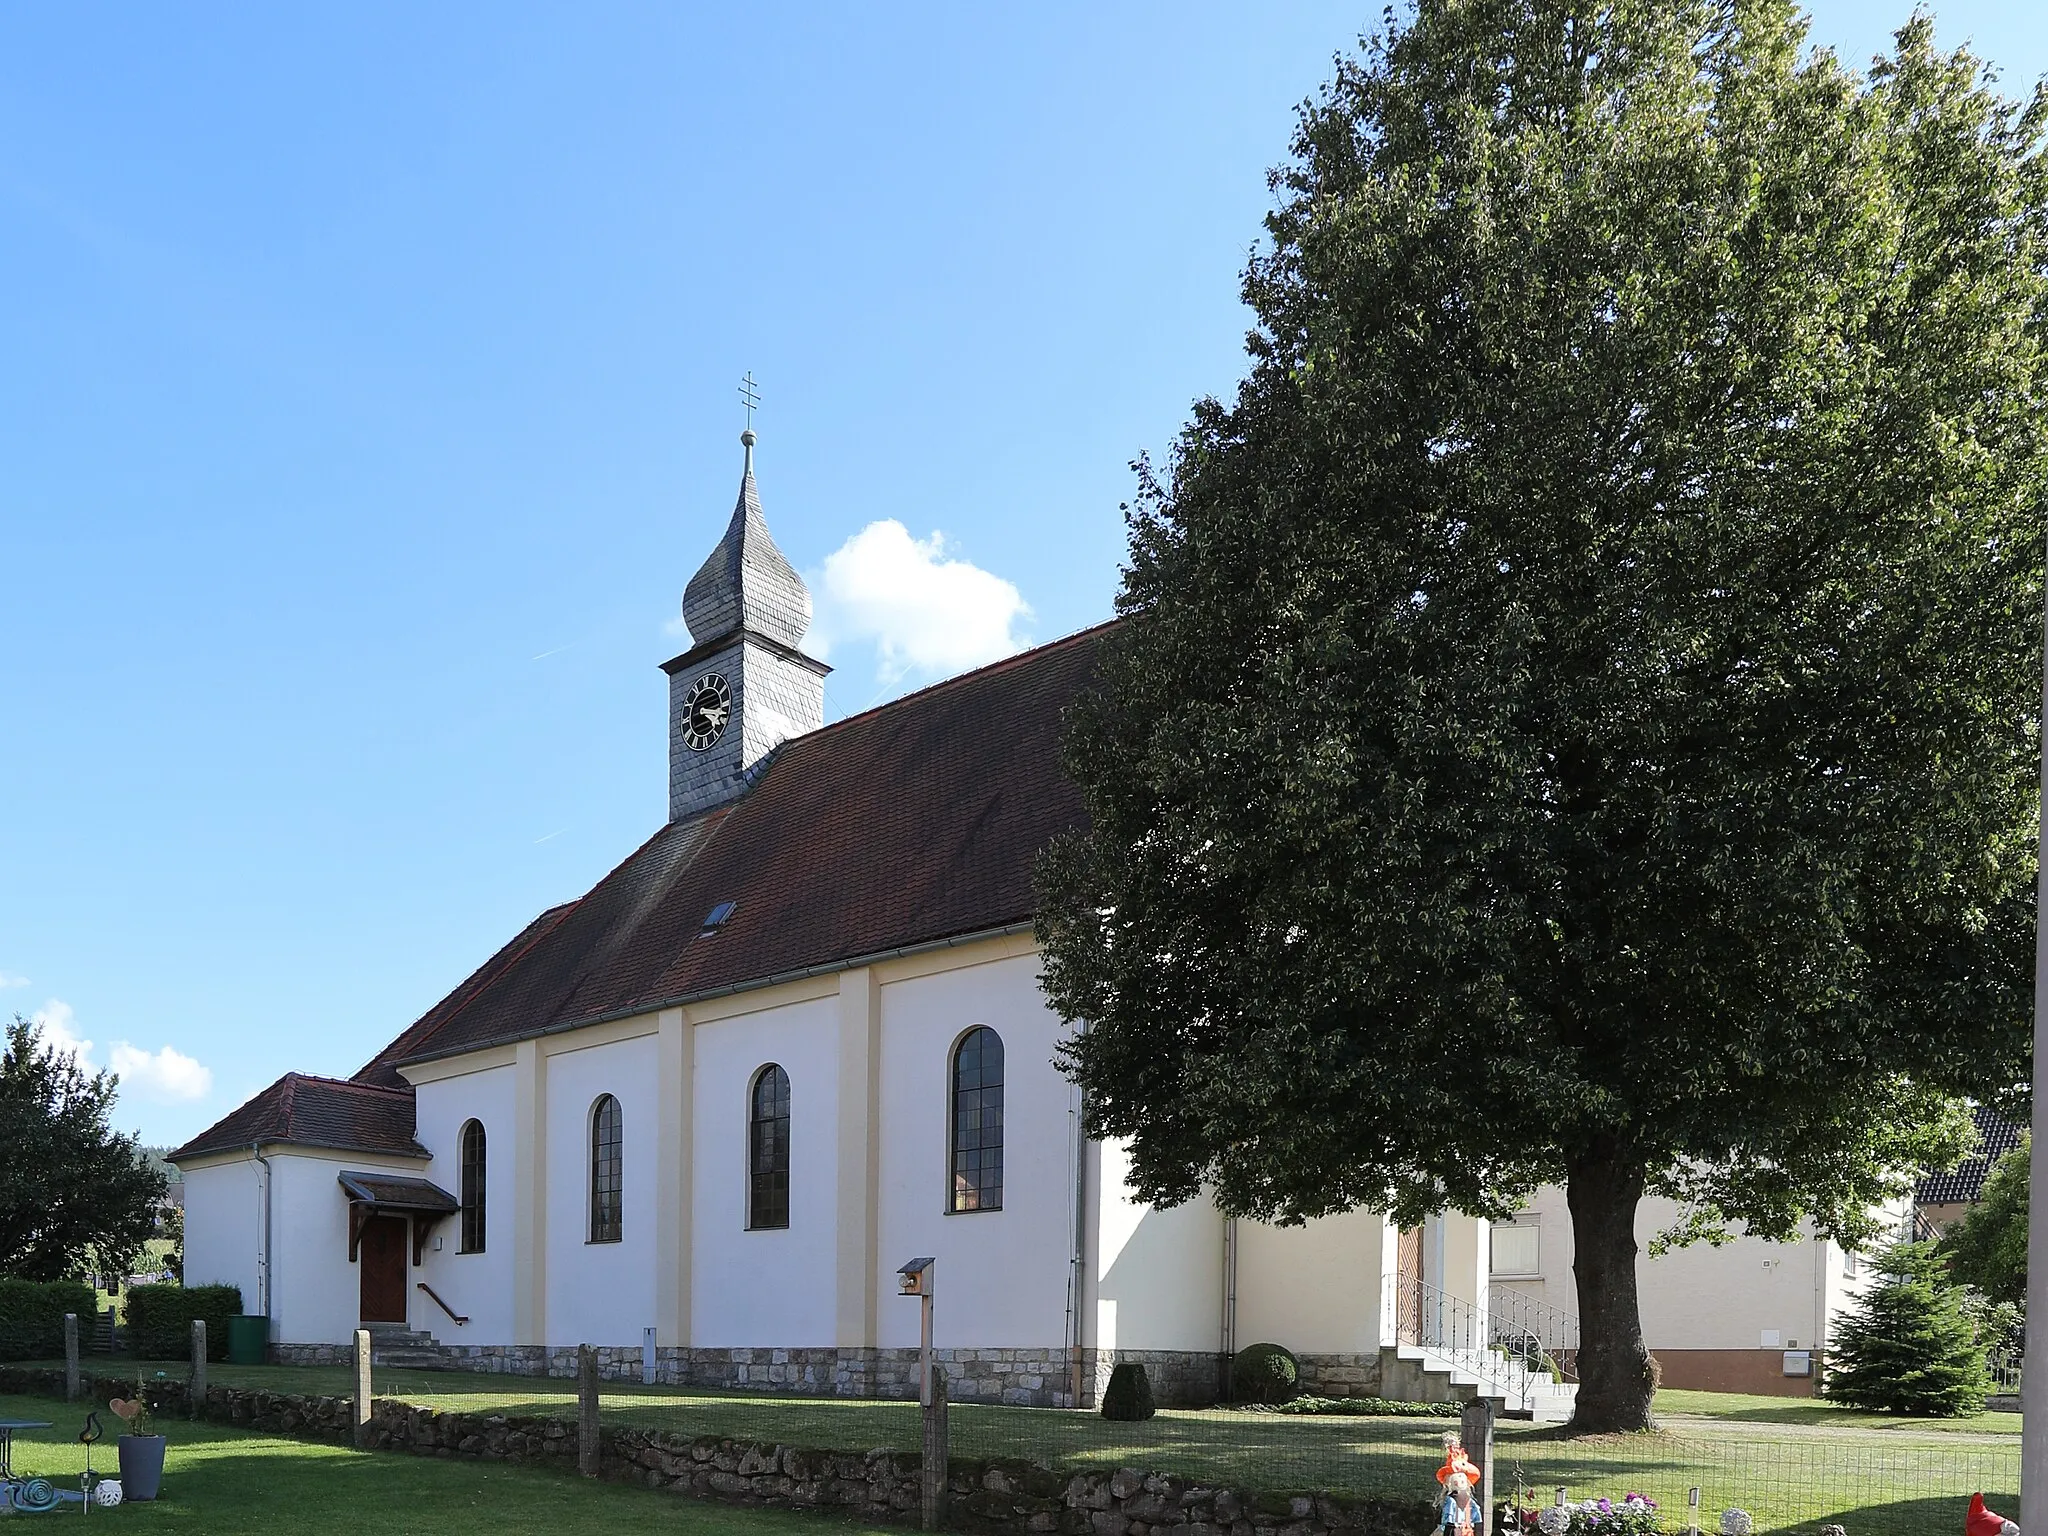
167	1075
925	613
59	1032
9	979
170	1074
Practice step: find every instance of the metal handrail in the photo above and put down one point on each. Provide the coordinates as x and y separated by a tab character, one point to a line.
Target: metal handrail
1509	1357
436	1295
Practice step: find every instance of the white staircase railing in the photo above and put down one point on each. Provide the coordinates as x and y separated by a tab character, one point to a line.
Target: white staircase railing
1516	1351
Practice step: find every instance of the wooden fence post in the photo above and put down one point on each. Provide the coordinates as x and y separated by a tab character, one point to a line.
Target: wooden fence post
71	1382
362	1386
198	1393
934	1469
586	1410
1475	1428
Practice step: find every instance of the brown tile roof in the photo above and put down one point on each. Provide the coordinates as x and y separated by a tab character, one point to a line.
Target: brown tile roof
303	1111
397	1191
916	822
913	823
1964	1184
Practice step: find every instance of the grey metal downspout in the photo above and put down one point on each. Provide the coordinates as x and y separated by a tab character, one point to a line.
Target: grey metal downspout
263	1254
1079	1268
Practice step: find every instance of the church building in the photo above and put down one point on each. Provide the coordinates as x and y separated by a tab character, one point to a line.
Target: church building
701	1115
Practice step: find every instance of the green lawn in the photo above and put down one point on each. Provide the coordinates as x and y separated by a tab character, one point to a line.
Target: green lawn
1742	1408
224	1482
1792	1462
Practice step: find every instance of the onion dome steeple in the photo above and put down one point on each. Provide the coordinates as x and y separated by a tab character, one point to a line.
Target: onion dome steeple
747	583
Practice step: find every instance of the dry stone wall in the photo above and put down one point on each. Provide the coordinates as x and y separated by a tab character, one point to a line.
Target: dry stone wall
880	1485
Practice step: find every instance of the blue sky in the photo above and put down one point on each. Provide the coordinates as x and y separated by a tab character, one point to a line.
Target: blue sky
367	396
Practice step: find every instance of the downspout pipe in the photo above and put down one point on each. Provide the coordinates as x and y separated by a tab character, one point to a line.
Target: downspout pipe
263	1252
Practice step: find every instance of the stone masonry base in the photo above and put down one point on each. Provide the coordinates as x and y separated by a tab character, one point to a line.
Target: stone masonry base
1024	1378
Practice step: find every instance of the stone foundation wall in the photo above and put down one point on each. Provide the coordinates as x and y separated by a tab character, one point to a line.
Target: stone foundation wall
1021	1378
1342	1375
880	1485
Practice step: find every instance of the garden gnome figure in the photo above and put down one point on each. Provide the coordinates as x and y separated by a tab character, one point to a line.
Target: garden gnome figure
1982	1522
1456	1461
1461	1510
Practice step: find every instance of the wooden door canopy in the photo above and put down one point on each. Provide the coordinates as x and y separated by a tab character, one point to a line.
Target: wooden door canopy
422	1202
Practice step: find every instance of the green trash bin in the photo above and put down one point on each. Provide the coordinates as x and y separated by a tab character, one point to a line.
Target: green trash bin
248	1337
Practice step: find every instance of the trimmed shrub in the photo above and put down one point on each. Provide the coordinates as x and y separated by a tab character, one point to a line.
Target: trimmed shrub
1128	1398
32	1316
1367	1408
160	1319
1264	1373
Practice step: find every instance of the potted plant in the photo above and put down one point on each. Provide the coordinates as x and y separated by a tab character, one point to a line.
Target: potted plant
141	1450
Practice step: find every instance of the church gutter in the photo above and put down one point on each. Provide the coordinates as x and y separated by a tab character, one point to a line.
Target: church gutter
755	984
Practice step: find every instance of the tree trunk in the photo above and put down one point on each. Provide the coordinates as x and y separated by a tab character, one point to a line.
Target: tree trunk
1616	1376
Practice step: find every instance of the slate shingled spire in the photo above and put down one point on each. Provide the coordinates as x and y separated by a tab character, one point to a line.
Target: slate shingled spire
744	687
747	583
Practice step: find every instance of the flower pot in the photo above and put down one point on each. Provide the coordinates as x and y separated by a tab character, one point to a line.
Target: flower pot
142	1465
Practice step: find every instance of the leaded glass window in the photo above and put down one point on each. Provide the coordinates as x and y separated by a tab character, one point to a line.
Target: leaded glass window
978	1121
607	1155
768	1149
473	1187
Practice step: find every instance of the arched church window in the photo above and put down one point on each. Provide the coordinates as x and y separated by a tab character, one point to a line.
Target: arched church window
607	1148
978	1121
768	1149
473	1187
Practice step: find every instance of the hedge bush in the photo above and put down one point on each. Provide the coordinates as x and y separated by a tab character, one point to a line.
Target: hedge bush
1128	1397
32	1316
1264	1373
160	1319
1365	1408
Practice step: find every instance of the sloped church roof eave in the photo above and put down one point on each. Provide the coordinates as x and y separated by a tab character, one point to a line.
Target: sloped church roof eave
710	994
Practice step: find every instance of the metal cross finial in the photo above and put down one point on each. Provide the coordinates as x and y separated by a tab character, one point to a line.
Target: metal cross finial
751	394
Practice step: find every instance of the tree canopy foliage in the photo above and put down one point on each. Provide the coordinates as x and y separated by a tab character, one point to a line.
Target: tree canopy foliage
1576	714
1987	1249
74	1193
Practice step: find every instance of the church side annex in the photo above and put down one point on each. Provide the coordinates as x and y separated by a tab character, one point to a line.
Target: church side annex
794	1040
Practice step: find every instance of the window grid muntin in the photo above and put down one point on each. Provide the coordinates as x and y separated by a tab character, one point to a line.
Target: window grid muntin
768	1150
607	1157
474	1167
977	1122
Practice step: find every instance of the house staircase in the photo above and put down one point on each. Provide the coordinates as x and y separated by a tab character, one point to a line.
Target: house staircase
408	1349
1516	1350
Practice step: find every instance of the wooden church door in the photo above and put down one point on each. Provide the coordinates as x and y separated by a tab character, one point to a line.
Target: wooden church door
382	1259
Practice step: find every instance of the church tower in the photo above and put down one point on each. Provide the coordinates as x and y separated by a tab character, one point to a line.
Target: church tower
743	688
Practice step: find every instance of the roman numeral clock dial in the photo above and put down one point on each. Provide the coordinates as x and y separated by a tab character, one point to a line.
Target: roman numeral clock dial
705	711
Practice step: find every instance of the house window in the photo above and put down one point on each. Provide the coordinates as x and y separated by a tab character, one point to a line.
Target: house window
1515	1251
768	1149
607	1140
1849	1266
978	1121
472	1187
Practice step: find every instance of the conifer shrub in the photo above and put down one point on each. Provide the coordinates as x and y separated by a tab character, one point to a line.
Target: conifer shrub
1264	1373
1128	1398
1910	1346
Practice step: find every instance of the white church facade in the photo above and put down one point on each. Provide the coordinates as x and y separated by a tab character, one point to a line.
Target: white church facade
701	1115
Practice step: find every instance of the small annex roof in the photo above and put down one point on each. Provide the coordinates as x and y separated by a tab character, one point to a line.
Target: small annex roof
398	1192
1964	1184
323	1112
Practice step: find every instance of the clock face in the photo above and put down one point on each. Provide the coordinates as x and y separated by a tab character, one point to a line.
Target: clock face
705	709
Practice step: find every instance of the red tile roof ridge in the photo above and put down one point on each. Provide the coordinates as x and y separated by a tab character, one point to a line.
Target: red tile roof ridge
1001	663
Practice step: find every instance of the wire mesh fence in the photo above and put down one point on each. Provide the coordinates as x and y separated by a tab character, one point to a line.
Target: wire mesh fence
1896	1480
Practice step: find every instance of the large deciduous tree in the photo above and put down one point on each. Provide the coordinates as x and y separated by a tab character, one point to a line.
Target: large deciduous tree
73	1192
1576	715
